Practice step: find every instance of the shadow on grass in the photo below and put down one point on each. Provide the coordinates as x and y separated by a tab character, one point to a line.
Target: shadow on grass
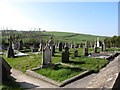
76	63
58	67
11	84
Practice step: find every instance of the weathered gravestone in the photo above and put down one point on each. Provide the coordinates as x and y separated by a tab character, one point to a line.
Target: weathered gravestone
81	45
95	47
46	57
65	55
5	69
103	47
76	53
85	52
60	46
10	52
21	45
63	45
34	49
98	42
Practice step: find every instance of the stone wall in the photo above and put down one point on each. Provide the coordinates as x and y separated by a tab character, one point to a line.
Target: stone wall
108	77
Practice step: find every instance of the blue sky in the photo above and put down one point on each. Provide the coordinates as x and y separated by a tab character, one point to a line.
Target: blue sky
97	18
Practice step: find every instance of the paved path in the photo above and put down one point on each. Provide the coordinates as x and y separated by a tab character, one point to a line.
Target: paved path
81	83
29	82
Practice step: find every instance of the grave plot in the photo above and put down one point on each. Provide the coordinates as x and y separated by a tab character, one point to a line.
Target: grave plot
59	75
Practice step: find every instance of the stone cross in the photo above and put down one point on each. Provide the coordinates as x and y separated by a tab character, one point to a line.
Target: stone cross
10	52
10	40
50	44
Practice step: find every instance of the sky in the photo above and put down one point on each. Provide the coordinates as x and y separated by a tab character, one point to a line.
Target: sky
96	18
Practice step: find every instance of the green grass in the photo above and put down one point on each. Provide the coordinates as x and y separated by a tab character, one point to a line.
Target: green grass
34	60
65	36
10	85
94	64
114	49
24	63
59	72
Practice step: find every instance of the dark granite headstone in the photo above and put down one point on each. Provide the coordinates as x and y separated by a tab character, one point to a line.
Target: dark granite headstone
60	46
65	57
53	49
76	53
66	49
34	49
86	49
95	47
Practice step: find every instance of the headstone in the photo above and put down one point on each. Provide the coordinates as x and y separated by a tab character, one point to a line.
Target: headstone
34	49
53	49
46	56
86	49
10	52
60	46
63	45
66	48
20	45
27	46
95	47
65	55
5	69
98	42
76	53
103	47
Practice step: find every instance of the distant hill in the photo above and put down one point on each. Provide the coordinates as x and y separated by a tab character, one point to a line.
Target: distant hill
75	37
29	36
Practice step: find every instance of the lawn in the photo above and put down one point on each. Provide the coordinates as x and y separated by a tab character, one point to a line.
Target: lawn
59	72
34	60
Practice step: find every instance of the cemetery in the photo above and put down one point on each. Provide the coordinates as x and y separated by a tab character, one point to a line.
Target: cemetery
58	61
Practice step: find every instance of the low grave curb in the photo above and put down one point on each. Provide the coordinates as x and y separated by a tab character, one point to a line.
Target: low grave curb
60	84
